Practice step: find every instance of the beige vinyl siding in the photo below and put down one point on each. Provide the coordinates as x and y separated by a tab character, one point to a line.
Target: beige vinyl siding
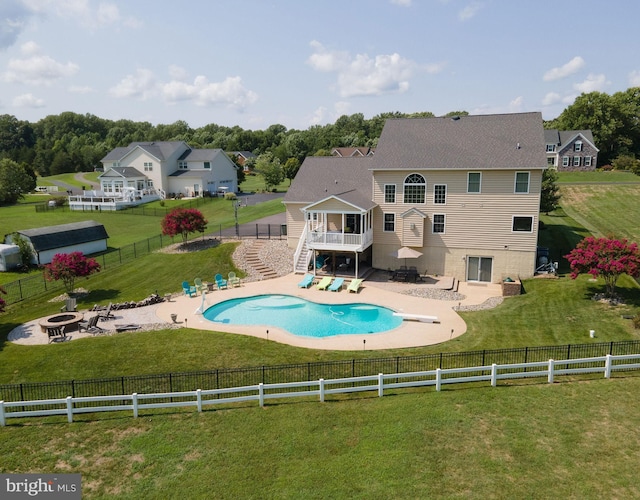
295	223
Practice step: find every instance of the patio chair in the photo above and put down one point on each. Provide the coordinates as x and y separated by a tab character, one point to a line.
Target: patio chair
354	286
324	283
90	325
221	282
307	281
106	314
200	286
188	289
69	305
56	333
233	279
336	286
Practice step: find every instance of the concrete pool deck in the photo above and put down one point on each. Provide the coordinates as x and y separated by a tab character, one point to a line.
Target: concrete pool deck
377	292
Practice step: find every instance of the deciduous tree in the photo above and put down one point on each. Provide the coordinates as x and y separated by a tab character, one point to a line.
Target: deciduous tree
69	266
550	194
15	181
183	221
605	257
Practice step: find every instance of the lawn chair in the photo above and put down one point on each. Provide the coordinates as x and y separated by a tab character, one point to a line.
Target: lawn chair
188	289
336	286
233	279
221	282
307	281
56	333
106	314
200	286
90	325
69	305
354	286
324	283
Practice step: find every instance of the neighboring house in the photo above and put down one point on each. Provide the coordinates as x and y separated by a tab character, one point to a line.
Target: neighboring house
147	171
87	237
242	157
569	150
464	191
359	152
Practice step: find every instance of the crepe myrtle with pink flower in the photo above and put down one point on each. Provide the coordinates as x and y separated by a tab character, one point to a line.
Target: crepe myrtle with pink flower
605	257
183	221
69	266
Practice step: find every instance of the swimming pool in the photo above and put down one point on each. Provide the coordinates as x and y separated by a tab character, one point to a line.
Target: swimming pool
302	317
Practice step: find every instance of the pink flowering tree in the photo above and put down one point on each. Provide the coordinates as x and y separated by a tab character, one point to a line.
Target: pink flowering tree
2	302
605	257
69	266
183	221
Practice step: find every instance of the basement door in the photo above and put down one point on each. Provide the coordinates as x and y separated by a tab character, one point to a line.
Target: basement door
479	269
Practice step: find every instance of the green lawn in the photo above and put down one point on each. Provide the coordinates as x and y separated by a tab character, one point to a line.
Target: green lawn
468	441
598	176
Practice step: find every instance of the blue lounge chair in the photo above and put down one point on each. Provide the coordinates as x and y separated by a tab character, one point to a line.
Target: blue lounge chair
188	289
324	283
336	286
221	282
307	281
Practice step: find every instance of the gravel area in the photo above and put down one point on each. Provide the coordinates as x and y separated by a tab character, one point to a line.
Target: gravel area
274	254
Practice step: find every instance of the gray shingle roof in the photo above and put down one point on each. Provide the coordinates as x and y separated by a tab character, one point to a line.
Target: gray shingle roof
127	172
202	154
64	235
320	177
562	137
160	150
509	141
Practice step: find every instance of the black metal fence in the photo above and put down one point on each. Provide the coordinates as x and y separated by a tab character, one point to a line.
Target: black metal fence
35	284
238	377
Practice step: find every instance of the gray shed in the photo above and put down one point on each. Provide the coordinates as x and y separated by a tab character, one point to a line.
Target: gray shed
9	257
87	237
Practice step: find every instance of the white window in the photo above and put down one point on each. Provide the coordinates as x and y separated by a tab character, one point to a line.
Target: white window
522	224
551	161
389	222
440	194
577	146
551	148
576	161
473	182
522	182
415	188
148	166
438	223
182	165
207	164
389	193
587	161
565	161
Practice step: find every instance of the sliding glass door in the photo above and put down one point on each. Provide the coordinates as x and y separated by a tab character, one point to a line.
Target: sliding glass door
479	269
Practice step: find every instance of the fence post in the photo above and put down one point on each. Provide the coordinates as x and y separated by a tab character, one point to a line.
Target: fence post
607	367
494	372
2	420
321	384
199	399
134	401
69	409
552	365
438	379
261	394
380	385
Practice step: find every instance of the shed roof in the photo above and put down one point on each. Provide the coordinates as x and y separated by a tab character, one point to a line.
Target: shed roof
64	235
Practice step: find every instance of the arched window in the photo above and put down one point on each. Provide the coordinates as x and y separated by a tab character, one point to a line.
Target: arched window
415	188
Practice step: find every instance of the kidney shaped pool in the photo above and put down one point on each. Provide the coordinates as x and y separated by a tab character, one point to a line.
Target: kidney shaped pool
302	317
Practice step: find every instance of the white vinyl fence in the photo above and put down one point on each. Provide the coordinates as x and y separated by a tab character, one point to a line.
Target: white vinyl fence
321	388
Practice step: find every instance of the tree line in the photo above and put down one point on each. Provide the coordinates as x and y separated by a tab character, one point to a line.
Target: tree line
72	142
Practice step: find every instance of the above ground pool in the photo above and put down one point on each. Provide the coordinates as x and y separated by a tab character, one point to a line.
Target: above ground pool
303	317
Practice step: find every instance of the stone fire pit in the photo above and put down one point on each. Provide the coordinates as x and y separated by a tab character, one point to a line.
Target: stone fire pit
69	320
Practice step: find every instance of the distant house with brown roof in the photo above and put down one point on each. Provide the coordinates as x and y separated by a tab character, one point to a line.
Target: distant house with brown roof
463	191
359	152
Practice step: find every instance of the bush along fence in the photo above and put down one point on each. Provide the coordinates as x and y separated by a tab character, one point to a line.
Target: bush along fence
229	378
35	285
320	388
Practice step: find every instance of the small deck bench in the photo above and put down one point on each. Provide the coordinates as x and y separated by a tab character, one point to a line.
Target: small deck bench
417	317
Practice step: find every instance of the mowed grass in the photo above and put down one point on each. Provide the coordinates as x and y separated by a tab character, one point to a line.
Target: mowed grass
578	439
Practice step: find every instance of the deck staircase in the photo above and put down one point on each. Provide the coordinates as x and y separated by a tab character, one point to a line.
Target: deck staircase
302	262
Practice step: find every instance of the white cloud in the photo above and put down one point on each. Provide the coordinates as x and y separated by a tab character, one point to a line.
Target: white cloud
435	68
573	66
202	92
402	3
551	98
14	16
592	83
37	68
177	73
28	101
77	89
140	85
634	78
84	13
362	75
318	116
516	105
322	115
469	11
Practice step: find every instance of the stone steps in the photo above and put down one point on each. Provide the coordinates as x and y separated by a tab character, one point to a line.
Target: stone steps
252	259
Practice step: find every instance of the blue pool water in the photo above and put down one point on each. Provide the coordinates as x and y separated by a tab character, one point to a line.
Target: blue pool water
302	317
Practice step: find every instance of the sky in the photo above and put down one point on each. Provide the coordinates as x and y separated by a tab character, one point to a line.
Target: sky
300	63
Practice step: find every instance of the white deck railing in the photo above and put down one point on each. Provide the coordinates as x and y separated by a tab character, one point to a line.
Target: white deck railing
321	388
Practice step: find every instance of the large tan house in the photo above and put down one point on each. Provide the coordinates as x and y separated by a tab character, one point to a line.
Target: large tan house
463	191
